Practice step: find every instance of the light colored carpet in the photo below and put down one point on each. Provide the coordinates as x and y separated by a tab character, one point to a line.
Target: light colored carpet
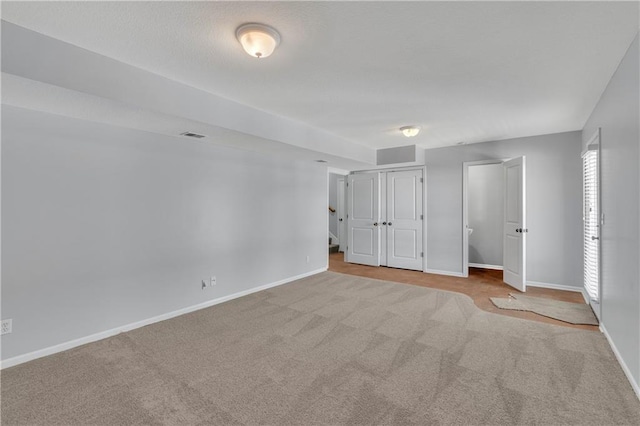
574	313
330	349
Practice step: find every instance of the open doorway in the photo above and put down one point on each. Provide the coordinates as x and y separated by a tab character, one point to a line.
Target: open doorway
485	209
494	220
337	213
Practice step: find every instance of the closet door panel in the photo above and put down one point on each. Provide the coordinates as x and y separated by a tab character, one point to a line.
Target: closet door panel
362	220
404	219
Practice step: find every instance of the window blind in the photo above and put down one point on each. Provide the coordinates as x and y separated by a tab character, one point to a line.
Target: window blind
591	224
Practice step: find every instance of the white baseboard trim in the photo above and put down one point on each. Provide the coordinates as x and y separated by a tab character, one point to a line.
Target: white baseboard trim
480	265
585	295
560	287
448	273
334	239
625	368
10	362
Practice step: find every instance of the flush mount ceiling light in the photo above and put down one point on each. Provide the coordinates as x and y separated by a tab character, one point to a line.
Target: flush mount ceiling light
258	40
410	131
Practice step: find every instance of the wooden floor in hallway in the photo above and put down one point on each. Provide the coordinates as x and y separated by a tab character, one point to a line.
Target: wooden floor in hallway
480	286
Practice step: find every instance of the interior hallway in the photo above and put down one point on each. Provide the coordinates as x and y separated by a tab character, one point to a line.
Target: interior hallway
480	286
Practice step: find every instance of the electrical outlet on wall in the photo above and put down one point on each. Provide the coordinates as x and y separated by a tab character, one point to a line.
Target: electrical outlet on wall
213	281
307	259
5	326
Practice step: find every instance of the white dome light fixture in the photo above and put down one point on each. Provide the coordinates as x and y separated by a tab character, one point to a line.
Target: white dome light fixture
258	40
410	131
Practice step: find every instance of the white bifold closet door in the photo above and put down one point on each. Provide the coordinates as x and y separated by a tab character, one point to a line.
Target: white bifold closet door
363	207
397	229
402	224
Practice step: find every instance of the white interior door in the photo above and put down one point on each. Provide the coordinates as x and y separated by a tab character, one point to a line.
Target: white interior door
362	219
404	219
342	216
515	228
591	220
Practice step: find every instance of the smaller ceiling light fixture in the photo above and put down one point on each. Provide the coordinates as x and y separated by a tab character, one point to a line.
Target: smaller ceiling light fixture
258	40
410	131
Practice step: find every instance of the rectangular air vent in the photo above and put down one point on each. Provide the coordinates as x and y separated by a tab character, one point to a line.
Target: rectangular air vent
192	135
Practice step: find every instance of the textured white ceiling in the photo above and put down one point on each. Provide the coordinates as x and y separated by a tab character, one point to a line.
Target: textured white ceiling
464	71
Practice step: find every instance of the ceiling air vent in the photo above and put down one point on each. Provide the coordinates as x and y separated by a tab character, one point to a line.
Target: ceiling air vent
192	135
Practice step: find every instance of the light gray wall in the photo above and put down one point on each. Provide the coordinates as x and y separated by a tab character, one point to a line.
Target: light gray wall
486	212
617	114
400	154
554	204
333	202
105	226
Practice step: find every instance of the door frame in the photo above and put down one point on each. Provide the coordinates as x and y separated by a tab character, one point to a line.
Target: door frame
424	203
465	207
341	212
343	173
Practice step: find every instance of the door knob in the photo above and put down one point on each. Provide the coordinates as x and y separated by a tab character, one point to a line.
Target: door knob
340	219
375	223
519	230
593	237
384	223
389	224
